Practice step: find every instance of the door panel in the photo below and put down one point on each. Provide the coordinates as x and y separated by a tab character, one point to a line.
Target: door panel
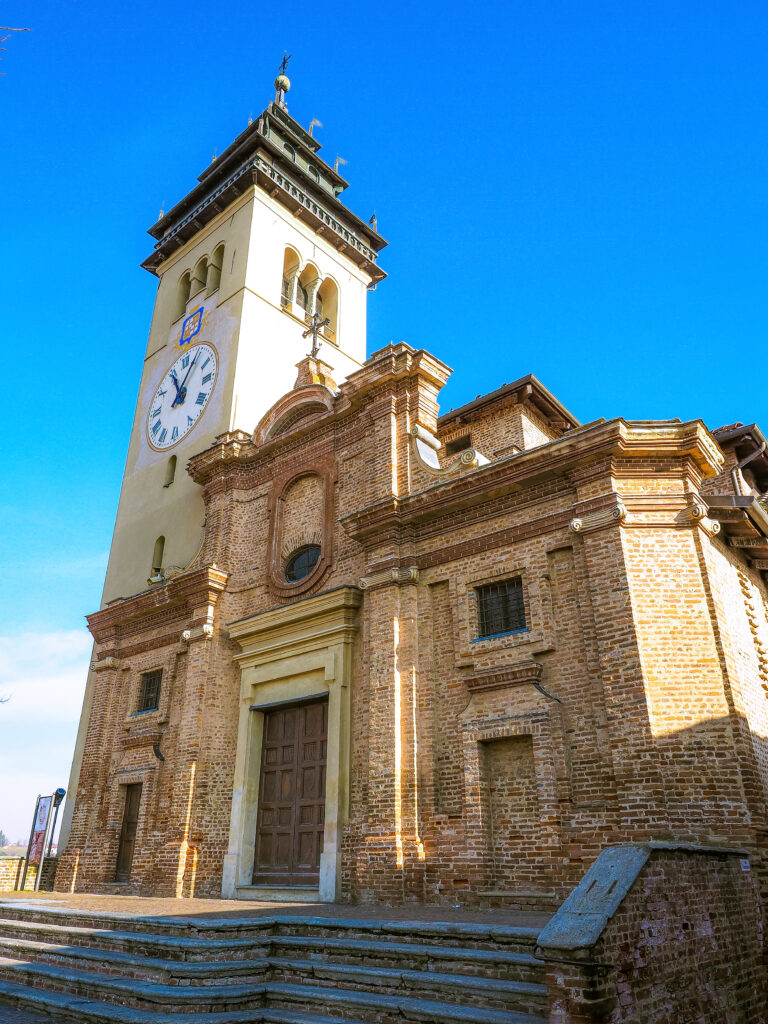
128	832
291	813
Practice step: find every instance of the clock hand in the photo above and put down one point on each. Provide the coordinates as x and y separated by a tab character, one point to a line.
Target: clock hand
179	394
191	367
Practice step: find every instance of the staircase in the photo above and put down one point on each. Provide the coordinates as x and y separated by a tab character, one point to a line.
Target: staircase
89	967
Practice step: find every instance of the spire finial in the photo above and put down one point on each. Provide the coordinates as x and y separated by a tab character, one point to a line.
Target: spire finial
283	82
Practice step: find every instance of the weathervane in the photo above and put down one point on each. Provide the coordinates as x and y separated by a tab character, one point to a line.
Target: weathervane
315	326
282	82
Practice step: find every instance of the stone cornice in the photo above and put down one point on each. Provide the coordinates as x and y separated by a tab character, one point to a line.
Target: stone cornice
178	596
613	438
310	623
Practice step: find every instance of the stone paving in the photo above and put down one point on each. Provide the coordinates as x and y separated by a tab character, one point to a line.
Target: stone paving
149	906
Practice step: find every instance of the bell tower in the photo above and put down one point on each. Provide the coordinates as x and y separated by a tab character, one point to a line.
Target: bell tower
258	251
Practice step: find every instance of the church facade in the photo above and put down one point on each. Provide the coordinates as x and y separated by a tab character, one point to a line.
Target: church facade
351	649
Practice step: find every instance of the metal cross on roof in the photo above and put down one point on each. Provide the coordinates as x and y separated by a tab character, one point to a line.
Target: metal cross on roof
284	62
315	326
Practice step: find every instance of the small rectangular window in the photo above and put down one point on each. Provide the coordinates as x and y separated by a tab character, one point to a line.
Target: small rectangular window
501	607
458	444
149	691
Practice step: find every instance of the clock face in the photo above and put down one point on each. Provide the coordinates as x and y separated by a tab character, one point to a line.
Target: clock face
182	396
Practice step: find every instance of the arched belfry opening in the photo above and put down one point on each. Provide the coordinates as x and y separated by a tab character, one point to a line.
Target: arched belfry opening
327	305
290	275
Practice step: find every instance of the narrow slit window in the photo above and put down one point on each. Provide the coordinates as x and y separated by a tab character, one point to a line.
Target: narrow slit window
170	471
149	690
501	607
157	556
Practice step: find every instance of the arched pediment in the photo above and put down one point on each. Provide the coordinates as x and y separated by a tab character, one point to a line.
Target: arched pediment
297	408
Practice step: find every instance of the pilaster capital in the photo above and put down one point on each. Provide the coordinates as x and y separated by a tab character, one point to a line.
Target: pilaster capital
387	576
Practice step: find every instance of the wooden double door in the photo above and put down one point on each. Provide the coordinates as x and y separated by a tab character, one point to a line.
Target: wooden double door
291	812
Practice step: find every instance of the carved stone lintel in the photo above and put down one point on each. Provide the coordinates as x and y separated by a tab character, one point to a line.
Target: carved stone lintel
393	575
105	663
204	632
595	520
528	672
140	739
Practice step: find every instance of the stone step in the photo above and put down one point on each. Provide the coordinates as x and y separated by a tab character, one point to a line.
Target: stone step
391	1009
143	995
202	977
299	1003
66	1007
488	993
171	947
520	938
372	952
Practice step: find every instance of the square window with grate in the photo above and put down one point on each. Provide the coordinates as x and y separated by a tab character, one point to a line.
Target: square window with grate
501	607
149	691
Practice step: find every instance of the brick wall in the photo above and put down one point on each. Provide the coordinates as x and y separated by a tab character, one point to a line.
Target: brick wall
631	705
683	941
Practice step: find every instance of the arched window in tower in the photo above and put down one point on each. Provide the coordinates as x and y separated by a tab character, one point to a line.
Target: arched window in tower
182	295
157	556
312	172
215	264
290	273
290	152
170	471
327	305
306	288
199	275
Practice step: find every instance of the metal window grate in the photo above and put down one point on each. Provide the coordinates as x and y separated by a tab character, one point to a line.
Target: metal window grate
149	691
501	607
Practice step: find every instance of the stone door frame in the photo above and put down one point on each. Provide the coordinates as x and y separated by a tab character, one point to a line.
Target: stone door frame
298	651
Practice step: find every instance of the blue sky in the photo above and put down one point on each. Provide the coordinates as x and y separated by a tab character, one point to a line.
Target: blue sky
574	189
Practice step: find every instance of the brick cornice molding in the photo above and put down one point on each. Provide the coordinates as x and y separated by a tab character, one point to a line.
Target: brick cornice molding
176	598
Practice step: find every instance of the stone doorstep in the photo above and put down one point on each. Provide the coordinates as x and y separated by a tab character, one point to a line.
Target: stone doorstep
430	984
279	894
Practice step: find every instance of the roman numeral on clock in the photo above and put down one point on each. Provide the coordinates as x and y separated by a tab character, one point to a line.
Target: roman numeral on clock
205	363
207	377
185	360
190	421
162	436
201	398
156	426
174	433
157	411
